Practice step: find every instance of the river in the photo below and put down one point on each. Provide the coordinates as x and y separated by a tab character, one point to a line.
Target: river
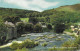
52	39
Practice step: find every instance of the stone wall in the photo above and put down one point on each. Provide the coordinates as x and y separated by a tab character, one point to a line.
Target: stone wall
11	33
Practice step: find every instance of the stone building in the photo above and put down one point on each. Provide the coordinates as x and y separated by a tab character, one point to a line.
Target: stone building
11	30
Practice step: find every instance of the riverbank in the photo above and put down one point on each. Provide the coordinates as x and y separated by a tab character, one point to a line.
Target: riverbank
7	45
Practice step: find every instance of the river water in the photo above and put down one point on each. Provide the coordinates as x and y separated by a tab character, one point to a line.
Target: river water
51	38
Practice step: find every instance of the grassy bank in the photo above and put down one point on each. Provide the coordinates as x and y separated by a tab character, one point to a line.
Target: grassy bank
24	19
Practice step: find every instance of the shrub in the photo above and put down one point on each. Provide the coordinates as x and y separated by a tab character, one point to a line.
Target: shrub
67	43
29	27
44	44
28	43
14	45
59	28
37	28
25	44
20	27
36	43
49	26
68	30
77	40
70	43
33	20
68	25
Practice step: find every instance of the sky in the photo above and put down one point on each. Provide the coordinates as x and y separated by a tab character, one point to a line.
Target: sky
37	5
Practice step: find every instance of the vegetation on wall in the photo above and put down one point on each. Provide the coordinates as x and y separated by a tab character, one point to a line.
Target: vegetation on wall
3	30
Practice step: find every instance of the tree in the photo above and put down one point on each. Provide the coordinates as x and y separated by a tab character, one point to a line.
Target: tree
37	28
59	28
12	19
20	28
33	20
29	27
49	26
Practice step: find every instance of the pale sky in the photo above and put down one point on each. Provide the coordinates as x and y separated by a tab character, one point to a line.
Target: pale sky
37	5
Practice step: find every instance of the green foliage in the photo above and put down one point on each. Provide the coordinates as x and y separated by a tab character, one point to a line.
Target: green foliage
41	19
67	43
25	44
33	20
29	27
44	44
36	43
68	30
68	25
20	28
17	12
28	43
15	45
3	28
59	28
65	17
3	31
37	28
77	40
12	19
49	26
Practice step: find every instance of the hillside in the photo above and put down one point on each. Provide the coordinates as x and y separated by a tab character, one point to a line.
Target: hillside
70	8
69	13
15	12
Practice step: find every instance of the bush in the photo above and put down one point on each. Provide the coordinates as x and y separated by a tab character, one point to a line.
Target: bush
49	26
28	43
36	43
68	25
25	44
29	27
67	43
59	28
33	20
69	30
71	43
14	45
37	28
44	44
20	28
77	40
